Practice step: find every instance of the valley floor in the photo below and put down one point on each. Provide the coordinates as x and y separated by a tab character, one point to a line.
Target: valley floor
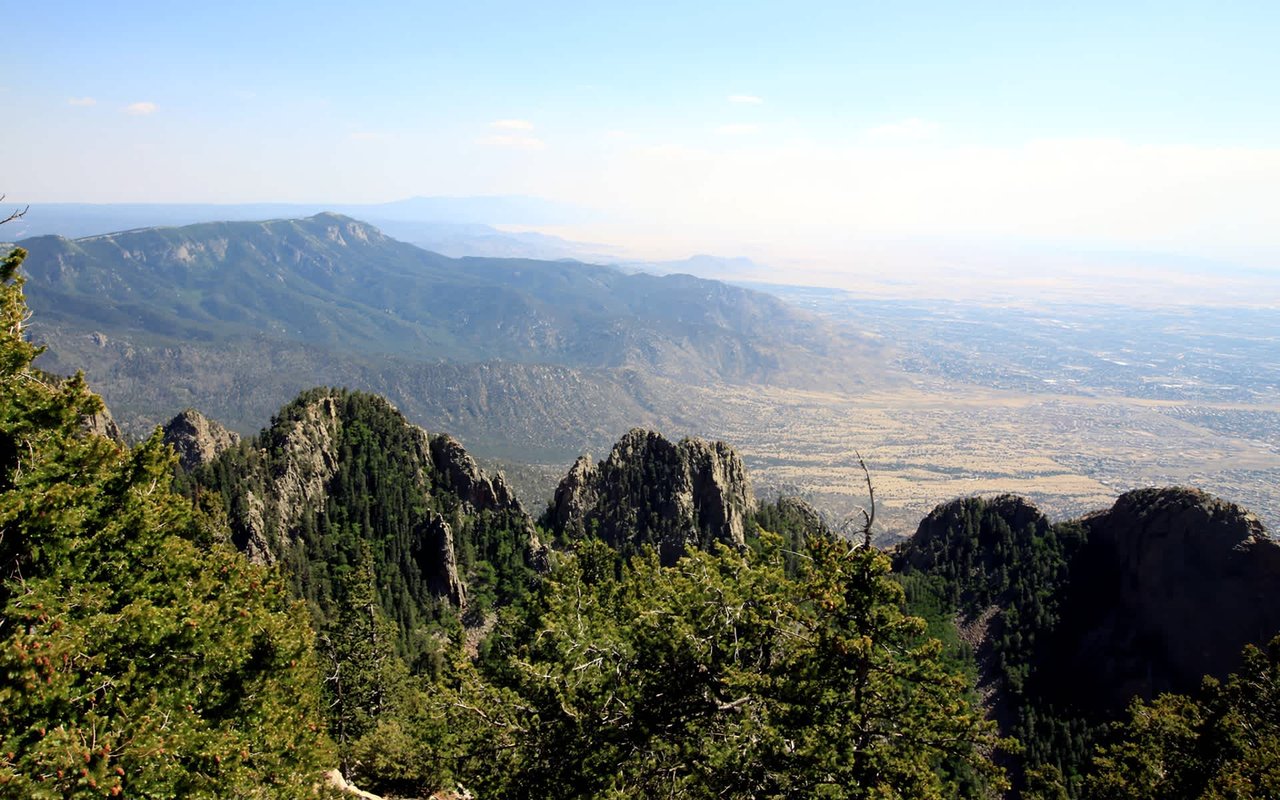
934	441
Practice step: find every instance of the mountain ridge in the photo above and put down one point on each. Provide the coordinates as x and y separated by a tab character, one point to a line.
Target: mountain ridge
276	277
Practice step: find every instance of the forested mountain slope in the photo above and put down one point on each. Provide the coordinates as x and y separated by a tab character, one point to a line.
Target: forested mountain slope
533	359
1071	621
340	477
335	282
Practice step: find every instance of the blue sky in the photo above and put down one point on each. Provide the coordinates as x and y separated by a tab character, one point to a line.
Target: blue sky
1148	125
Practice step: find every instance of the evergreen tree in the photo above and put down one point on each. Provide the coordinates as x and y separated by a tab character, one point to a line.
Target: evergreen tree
132	661
870	705
720	676
1224	743
365	675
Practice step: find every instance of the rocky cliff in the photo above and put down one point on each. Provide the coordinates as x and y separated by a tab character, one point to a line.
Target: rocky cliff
339	474
1166	586
197	439
1070	621
1171	586
651	491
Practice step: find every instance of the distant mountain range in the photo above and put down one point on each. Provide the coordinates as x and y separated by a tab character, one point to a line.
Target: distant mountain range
451	226
236	317
75	220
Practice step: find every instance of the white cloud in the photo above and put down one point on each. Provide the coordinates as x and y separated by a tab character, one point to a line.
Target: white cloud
745	99
81	101
141	109
513	142
617	134
512	124
737	129
368	136
907	130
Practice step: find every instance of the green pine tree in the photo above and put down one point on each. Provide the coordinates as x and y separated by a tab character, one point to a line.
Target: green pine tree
133	662
365	677
1222	744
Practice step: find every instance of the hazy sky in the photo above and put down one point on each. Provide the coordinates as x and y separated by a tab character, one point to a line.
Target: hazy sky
773	125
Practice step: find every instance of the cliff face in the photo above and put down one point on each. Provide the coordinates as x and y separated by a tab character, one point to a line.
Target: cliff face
650	491
457	473
1174	583
339	474
1166	586
197	439
301	457
104	425
1070	622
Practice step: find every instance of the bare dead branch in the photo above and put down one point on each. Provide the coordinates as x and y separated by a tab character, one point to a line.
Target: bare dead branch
868	513
869	518
15	214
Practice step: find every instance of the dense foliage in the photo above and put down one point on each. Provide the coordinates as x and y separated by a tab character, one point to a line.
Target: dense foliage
385	498
1001	564
1223	742
133	661
719	676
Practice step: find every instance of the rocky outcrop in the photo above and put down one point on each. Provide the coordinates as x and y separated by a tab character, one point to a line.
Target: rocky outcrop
340	474
803	516
102	424
1071	621
197	439
434	552
650	491
301	458
1173	584
334	779
575	499
99	423
460	474
1149	596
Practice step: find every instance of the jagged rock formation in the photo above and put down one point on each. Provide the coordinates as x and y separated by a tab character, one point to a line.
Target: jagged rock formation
803	516
303	458
460	473
340	473
197	439
103	424
650	491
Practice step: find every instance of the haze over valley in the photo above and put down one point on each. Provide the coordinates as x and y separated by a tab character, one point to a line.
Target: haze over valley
533	362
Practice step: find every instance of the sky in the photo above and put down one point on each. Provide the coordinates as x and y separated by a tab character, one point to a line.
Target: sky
810	128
